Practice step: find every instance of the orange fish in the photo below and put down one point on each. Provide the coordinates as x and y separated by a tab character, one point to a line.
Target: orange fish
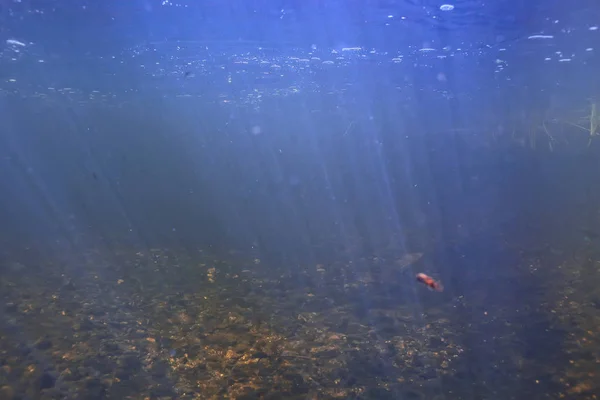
430	282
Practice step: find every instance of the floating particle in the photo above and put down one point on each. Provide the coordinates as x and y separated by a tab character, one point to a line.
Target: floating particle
446	7
541	37
15	42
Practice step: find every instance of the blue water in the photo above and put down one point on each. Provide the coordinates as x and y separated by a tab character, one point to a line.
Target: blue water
231	200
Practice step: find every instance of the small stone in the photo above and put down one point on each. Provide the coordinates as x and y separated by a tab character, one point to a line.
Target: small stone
122	374
95	389
260	355
84	325
111	347
6	392
46	381
130	362
43	344
159	370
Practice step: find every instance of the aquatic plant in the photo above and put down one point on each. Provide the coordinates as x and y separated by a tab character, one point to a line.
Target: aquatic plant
533	124
594	122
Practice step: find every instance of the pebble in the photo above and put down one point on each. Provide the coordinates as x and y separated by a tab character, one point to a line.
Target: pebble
7	392
46	381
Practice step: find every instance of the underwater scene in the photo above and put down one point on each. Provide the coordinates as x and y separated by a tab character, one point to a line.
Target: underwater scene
369	199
